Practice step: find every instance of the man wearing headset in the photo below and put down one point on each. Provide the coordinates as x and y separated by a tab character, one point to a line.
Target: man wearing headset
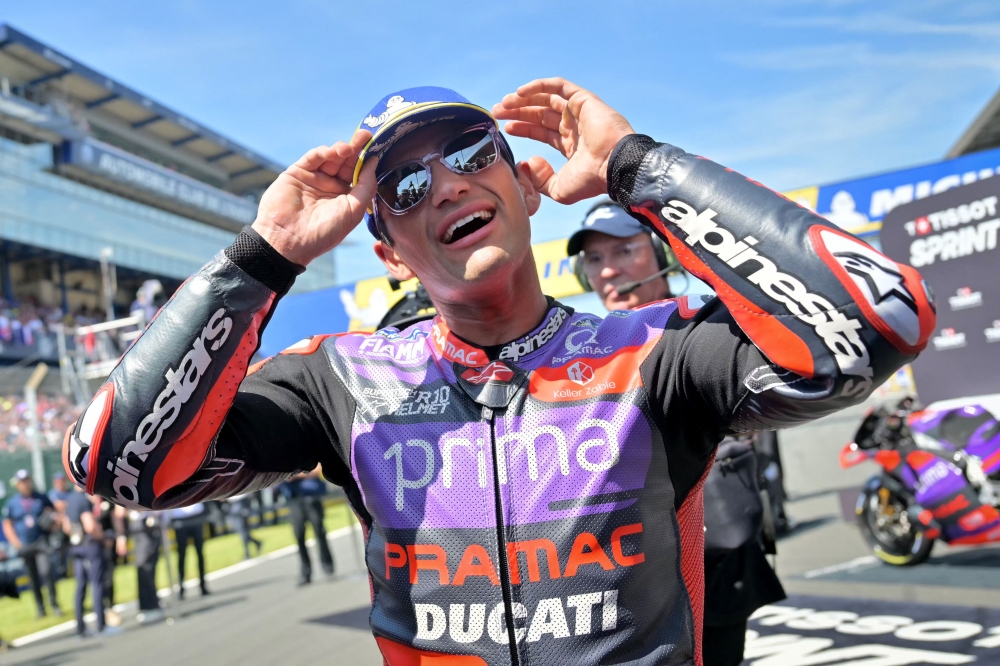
528	477
614	256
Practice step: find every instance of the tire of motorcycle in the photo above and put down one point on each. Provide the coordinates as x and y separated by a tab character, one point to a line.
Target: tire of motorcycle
902	550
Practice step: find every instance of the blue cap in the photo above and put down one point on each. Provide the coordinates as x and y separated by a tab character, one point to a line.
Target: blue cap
399	113
606	218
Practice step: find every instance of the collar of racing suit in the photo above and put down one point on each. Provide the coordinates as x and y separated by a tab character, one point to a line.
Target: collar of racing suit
450	346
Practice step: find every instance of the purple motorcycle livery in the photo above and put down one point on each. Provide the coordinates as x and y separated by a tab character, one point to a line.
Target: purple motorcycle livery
940	479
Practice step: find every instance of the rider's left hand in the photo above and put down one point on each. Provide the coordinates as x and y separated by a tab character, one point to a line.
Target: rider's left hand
574	121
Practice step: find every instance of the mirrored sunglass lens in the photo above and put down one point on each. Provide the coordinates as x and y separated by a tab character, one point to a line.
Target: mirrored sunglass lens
404	187
470	152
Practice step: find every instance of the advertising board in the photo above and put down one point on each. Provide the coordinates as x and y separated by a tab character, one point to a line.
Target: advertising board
951	238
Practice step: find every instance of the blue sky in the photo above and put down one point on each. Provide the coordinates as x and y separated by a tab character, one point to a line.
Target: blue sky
791	93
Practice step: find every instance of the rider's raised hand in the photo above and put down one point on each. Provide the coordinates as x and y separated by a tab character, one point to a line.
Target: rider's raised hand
574	121
311	206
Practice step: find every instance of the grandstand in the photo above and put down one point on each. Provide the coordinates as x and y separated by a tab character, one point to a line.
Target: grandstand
89	168
101	189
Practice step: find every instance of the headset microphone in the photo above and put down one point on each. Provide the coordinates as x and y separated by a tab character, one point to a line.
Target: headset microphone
629	287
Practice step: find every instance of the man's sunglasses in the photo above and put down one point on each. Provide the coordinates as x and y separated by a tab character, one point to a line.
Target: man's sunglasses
474	150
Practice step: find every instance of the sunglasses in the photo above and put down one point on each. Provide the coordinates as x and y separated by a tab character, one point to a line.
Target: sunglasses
474	150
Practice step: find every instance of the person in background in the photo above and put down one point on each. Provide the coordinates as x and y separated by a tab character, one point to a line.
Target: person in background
239	512
304	493
114	547
28	517
147	535
613	250
626	266
59	559
85	536
189	525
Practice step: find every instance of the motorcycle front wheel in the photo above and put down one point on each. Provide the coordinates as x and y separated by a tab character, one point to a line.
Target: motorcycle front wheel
887	527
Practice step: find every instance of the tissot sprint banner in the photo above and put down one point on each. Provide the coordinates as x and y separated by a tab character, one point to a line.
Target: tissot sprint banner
951	238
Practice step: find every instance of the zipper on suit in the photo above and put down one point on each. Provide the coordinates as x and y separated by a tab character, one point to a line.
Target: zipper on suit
505	588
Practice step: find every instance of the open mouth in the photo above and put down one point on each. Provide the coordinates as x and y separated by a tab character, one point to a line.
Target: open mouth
467	225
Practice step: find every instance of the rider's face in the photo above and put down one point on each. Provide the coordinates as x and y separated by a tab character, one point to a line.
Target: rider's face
425	241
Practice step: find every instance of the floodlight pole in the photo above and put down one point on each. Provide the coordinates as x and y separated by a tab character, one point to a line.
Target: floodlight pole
34	434
109	281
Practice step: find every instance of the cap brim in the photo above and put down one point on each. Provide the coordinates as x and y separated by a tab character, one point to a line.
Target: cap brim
414	117
614	228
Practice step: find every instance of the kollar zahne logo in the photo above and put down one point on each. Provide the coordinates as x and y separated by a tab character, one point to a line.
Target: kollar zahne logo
949	338
581	373
993	332
965	298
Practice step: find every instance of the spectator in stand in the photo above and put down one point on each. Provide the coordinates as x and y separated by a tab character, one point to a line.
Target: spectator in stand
189	525
56	414
28	518
304	493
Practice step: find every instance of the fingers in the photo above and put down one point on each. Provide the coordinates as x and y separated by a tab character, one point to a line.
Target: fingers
515	101
543	176
551	93
336	161
361	195
536	132
538	115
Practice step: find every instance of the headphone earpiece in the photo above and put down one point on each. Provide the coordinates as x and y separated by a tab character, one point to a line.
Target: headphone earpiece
576	263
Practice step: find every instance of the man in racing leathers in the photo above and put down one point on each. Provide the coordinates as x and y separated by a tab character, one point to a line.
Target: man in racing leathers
527	477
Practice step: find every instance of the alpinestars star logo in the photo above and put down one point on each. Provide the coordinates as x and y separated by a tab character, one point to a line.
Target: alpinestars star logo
882	282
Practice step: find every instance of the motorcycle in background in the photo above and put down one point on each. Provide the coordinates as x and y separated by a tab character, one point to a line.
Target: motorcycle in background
940	479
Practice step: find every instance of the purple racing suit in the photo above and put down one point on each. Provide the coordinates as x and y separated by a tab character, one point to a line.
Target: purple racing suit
538	502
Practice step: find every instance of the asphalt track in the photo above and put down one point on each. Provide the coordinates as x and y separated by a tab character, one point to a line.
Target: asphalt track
254	616
947	611
259	616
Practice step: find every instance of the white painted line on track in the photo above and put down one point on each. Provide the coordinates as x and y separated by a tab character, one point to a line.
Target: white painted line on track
856	563
166	591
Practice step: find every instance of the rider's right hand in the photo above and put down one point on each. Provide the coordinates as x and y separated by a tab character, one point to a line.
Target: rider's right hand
309	209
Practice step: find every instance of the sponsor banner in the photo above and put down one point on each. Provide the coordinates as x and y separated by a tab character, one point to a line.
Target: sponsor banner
134	172
951	238
823	630
860	205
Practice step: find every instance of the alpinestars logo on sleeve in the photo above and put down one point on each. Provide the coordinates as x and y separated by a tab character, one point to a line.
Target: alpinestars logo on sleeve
837	331
181	383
